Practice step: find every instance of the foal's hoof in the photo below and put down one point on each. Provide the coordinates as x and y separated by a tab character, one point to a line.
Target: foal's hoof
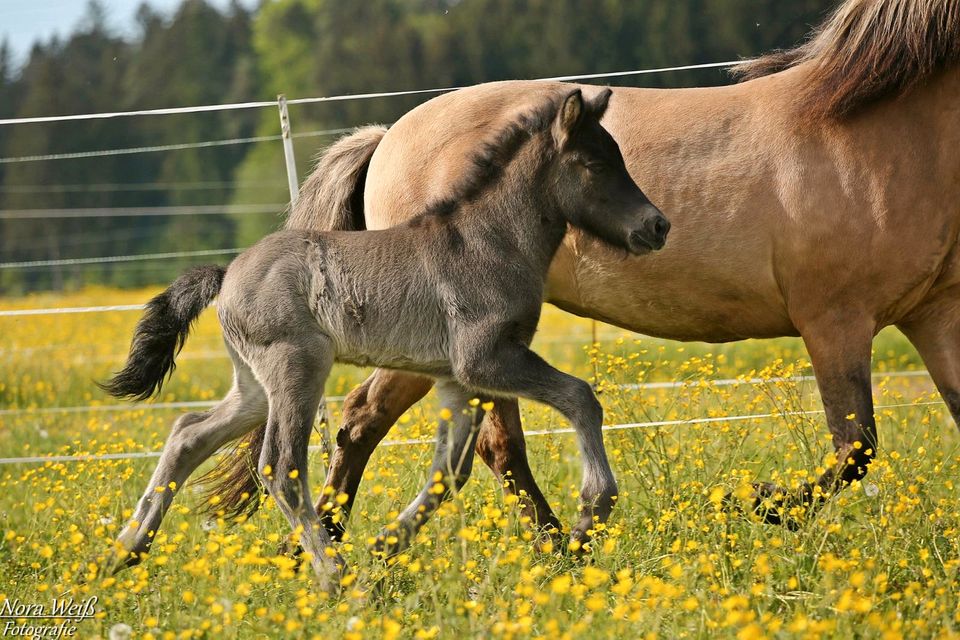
777	505
579	545
389	543
115	561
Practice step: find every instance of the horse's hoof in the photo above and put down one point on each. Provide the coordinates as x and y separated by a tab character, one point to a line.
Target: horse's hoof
387	544
550	540
289	548
378	593
105	565
329	584
776	505
116	561
335	530
579	545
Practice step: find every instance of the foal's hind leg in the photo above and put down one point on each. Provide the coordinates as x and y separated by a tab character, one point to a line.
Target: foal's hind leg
514	369
839	349
451	467
293	377
193	439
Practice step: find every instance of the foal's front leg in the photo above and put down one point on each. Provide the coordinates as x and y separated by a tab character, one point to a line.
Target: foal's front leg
452	463
513	369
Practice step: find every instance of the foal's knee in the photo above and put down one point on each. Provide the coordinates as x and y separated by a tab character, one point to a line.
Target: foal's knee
584	405
184	440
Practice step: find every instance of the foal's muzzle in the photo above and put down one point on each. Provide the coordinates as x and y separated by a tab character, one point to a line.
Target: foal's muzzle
652	233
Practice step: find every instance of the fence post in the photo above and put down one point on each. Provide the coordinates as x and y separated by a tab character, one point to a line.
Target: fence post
326	442
291	161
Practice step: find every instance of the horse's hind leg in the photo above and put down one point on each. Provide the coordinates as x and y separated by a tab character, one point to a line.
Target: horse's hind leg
935	333
839	348
193	438
369	412
503	448
294	376
451	467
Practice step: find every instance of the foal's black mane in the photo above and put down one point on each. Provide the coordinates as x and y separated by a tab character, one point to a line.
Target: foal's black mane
493	157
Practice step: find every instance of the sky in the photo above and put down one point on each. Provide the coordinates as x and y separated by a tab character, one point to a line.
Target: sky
24	21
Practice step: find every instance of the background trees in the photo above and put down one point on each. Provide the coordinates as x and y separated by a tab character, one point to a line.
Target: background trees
202	55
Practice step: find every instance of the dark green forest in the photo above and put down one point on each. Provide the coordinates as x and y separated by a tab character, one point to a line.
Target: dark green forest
202	55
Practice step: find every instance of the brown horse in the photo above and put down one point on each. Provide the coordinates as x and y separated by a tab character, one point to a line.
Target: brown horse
819	198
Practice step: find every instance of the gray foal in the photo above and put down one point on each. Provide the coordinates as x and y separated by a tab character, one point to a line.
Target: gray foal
455	294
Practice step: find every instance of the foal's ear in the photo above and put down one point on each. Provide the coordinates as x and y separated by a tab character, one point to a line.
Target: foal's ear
568	118
599	104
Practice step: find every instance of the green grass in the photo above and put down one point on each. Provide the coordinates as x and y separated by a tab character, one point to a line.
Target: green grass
881	560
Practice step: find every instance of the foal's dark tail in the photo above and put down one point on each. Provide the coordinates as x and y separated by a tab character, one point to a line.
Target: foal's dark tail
331	199
161	332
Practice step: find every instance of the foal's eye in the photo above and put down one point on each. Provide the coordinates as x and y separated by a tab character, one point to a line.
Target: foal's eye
596	167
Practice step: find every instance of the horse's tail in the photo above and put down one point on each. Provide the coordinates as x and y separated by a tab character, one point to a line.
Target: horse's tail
161	332
332	197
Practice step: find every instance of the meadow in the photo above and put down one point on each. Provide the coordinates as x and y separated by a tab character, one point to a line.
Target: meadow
882	560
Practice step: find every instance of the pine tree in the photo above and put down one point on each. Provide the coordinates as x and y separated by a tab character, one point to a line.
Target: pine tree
204	55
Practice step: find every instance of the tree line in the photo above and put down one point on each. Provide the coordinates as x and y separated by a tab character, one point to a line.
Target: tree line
200	54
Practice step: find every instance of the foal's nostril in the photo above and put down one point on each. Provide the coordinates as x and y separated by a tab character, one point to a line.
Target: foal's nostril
661	227
657	227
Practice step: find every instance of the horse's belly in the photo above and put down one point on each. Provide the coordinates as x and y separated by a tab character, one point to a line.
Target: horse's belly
665	296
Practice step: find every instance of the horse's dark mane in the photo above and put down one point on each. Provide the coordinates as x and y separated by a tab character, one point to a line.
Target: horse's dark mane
493	157
868	50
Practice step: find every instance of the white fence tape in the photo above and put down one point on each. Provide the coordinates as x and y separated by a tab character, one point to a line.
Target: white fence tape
47	312
127	212
719	382
109	187
111	259
412	442
355	96
727	382
189	404
200	210
99	153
